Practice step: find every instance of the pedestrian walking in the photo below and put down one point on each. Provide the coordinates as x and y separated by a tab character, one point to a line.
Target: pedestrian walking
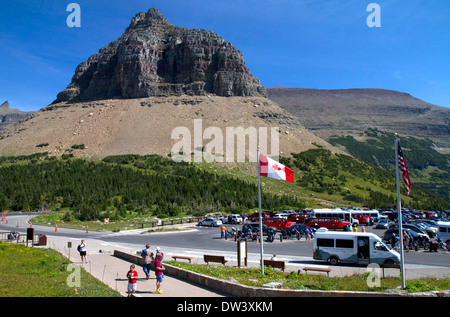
394	242
159	272
223	229
307	234
147	258
159	252
406	240
83	251
132	275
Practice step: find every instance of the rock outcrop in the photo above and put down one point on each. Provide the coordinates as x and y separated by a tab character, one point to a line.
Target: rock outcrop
10	116
155	58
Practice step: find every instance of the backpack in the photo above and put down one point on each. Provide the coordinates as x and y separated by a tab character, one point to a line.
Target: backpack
79	248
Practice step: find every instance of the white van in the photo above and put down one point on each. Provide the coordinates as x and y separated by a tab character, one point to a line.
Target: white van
352	247
444	231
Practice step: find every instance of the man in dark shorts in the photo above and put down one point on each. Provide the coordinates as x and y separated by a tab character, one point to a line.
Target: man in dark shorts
83	251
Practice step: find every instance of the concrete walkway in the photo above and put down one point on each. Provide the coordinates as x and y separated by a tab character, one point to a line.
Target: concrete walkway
111	270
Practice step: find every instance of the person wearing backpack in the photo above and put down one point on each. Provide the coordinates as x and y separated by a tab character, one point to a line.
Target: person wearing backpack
147	258
82	249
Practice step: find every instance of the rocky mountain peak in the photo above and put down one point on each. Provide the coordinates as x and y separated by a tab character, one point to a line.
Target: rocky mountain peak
155	58
152	18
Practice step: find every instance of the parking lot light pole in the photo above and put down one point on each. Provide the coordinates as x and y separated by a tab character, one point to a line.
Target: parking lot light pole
260	215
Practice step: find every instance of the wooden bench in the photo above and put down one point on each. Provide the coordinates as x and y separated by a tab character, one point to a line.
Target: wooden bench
175	257
214	258
317	269
275	264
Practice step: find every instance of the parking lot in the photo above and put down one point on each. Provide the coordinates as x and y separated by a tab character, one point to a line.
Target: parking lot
292	247
195	241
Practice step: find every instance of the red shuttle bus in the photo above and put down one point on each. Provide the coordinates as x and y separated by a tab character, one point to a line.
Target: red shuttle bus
279	223
298	218
329	223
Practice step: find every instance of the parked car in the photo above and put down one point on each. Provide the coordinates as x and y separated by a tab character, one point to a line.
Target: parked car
211	222
430	230
255	216
266	229
383	224
300	228
237	219
410	227
352	247
389	234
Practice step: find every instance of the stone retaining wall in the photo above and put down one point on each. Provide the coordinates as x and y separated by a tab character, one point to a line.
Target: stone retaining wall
238	290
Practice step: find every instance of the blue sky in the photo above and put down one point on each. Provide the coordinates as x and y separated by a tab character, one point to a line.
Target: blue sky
308	44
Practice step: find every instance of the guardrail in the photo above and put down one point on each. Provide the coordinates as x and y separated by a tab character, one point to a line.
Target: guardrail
176	221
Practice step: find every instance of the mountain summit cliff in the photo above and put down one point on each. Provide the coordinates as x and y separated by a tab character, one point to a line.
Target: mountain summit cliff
155	58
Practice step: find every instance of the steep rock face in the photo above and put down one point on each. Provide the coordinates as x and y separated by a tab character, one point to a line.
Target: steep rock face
155	58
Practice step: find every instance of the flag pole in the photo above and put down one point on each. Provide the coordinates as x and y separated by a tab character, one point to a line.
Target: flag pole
260	215
399	212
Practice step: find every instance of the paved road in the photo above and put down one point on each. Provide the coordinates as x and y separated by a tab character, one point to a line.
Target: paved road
105	266
197	241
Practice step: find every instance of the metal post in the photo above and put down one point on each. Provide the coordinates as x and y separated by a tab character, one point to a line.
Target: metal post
260	215
399	212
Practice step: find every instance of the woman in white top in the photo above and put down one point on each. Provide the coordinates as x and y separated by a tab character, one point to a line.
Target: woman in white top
82	250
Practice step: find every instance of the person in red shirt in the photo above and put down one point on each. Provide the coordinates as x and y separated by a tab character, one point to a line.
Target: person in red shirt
132	275
159	273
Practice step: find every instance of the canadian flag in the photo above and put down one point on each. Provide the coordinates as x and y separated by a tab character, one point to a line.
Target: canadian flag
273	169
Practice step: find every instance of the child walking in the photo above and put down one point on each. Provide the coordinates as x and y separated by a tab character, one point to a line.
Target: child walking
132	275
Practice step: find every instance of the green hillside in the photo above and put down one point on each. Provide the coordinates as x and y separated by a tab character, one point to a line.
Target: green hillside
428	168
119	185
355	182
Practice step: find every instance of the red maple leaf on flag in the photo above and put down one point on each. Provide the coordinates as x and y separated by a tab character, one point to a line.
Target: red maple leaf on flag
276	167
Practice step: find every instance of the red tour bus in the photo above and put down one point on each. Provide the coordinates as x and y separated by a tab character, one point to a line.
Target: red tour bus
363	219
279	223
298	218
329	223
254	217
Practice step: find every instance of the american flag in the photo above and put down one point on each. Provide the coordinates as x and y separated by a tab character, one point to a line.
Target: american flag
403	170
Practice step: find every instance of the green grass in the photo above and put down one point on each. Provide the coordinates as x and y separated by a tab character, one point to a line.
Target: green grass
37	272
294	281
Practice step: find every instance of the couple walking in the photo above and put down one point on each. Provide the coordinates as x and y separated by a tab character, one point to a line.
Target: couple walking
147	259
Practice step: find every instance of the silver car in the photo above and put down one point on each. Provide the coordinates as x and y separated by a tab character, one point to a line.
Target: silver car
211	222
383	224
